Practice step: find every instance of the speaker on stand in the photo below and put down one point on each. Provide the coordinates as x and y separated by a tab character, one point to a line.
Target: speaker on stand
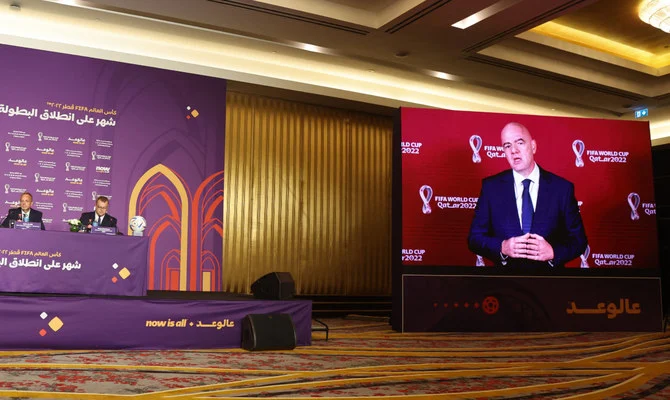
278	286
274	286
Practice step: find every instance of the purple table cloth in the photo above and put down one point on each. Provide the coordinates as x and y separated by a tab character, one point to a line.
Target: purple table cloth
72	263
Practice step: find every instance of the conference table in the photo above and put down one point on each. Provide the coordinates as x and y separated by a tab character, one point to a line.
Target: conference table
35	261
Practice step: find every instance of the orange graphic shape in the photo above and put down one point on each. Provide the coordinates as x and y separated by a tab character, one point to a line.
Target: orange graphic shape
55	324
124	273
490	305
42	332
114	280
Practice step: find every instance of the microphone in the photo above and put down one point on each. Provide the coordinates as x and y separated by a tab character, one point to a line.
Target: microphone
17	218
88	226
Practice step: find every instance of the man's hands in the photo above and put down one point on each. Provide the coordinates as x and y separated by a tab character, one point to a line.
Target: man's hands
530	246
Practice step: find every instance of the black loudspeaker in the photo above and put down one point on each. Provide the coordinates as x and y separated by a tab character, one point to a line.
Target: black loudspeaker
268	332
274	286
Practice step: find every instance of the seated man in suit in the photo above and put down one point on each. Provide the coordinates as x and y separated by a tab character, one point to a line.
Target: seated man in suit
99	217
526	216
24	212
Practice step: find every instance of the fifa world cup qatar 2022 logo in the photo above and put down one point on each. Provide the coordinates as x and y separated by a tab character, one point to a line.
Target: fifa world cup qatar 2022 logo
634	203
426	192
578	148
585	257
476	145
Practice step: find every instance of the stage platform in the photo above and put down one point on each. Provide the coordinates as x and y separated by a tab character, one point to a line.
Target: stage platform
86	322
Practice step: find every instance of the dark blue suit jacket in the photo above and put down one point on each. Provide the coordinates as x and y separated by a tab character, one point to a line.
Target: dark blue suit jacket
556	219
15	214
87	218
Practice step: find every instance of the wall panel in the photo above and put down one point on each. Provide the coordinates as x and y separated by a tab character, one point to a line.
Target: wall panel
307	191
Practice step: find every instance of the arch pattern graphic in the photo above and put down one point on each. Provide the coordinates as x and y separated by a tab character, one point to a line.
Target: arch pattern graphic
193	220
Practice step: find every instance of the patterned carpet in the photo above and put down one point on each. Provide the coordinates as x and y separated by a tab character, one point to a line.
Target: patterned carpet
362	359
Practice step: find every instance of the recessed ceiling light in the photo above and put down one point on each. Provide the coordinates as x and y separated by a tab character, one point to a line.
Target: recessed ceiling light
442	75
485	13
310	47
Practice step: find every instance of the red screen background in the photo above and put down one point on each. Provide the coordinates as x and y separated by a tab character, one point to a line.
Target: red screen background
436	151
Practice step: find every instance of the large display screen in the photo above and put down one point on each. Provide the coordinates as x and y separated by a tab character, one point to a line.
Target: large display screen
595	180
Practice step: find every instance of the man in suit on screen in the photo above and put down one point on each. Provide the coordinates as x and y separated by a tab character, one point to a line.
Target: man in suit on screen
99	217
24	212
526	216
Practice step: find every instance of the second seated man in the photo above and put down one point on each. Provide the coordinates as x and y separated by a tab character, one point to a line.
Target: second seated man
99	217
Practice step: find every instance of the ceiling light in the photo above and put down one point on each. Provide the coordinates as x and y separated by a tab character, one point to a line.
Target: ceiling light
310	47
442	75
481	15
69	2
656	13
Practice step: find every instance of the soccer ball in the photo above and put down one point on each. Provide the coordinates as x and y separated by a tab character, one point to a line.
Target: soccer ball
137	225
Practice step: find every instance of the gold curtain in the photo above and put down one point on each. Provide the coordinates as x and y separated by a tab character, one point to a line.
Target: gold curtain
307	191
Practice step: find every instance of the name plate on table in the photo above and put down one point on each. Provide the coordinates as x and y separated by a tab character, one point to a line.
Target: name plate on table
105	230
27	225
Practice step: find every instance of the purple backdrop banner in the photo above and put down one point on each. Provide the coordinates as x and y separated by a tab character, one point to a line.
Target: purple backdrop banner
518	304
72	263
152	140
97	323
